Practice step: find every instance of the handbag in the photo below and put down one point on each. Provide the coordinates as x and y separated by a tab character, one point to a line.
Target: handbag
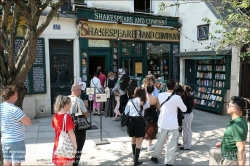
124	119
81	123
65	147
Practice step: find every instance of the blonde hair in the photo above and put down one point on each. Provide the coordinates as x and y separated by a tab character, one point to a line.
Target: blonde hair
60	102
149	80
110	74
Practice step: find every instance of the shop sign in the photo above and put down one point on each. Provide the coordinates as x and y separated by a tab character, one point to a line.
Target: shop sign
110	31
130	18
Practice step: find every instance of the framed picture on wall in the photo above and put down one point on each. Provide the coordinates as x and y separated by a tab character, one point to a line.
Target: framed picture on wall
202	32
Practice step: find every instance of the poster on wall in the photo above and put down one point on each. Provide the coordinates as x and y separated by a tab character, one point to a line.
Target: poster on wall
176	65
138	67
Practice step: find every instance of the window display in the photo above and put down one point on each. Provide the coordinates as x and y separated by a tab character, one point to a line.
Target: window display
158	60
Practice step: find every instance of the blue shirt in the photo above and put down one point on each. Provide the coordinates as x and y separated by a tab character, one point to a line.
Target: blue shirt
11	127
131	108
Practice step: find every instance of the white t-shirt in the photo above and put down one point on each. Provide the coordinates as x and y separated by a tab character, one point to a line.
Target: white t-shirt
95	83
168	111
74	102
131	108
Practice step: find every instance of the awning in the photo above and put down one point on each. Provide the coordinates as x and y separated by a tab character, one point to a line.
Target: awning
206	57
204	53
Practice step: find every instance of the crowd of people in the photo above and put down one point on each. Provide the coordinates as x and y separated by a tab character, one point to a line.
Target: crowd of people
152	115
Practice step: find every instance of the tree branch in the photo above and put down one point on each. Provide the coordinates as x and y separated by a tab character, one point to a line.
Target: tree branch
49	17
2	66
25	9
23	53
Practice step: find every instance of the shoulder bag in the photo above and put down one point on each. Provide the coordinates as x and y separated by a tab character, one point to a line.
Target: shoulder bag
139	112
81	123
124	119
65	147
107	90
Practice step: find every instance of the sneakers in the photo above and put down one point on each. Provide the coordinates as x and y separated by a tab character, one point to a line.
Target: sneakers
154	160
150	148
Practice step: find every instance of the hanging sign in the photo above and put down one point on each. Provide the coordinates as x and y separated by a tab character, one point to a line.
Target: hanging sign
101	97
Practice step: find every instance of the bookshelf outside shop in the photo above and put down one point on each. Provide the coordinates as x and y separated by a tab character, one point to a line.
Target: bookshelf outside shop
212	80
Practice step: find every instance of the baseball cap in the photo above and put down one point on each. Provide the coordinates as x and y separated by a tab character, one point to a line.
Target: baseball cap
76	87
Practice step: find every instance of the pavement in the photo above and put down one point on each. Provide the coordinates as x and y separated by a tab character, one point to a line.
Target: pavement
208	129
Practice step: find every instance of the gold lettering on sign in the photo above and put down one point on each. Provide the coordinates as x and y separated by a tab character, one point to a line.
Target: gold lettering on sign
102	30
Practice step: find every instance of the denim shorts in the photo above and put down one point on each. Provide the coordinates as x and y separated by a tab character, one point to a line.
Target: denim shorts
14	152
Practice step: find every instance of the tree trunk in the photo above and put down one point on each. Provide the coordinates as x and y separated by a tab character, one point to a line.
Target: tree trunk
22	90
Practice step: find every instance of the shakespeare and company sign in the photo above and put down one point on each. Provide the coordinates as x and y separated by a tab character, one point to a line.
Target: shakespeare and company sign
111	31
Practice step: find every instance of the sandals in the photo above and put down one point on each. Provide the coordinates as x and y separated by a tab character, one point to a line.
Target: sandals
114	119
94	113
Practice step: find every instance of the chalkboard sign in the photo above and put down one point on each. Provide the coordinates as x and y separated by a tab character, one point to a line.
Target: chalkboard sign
176	64
38	79
39	52
35	82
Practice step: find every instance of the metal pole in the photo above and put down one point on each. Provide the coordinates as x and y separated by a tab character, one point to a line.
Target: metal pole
101	126
90	119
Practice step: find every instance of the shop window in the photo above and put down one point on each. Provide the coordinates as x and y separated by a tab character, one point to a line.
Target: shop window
158	60
131	48
142	6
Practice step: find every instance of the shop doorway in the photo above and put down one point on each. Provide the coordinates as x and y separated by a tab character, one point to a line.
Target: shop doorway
95	61
61	68
190	73
134	66
245	78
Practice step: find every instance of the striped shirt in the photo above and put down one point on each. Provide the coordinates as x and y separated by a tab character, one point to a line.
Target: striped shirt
11	127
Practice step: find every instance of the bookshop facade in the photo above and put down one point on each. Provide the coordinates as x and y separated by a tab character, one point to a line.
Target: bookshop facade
210	78
129	43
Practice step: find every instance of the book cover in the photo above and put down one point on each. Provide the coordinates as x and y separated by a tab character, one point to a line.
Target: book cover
213	91
208	90
202	102
220	98
83	62
211	97
217	98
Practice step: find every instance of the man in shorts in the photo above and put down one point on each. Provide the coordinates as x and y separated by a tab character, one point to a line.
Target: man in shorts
12	122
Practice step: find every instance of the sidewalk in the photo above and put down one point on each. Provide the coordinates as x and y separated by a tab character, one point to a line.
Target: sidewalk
208	129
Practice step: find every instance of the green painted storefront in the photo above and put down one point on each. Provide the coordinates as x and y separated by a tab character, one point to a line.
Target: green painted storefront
146	50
